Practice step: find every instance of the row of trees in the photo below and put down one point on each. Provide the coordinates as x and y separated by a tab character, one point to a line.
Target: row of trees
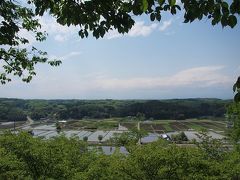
79	109
12	114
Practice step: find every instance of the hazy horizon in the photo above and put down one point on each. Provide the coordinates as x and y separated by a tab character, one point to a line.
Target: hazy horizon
114	99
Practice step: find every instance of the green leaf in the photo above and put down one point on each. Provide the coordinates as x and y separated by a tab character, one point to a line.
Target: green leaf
224	21
144	6
136	10
234	87
152	17
178	7
166	7
161	2
158	16
225	9
237	98
233	8
172	2
186	21
232	21
214	22
224	5
173	10
200	16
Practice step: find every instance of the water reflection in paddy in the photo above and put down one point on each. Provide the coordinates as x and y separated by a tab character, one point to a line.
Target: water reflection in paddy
49	131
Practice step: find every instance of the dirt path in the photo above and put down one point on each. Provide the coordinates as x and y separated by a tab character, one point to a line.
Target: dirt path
27	124
29	121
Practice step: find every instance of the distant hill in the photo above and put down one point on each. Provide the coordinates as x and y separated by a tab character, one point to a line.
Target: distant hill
18	109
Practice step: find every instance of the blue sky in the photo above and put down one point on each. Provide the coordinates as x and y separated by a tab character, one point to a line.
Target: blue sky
154	60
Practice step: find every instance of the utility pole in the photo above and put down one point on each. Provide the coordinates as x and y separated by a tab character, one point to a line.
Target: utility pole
14	125
138	129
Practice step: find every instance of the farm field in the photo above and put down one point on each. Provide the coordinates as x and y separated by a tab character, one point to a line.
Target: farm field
158	126
92	124
168	126
107	128
9	125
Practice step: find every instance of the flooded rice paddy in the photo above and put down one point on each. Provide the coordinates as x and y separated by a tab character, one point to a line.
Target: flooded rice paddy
49	131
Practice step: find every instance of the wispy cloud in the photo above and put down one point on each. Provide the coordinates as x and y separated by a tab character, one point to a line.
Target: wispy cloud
198	77
67	56
93	85
178	2
48	24
142	29
165	25
61	38
113	34
139	29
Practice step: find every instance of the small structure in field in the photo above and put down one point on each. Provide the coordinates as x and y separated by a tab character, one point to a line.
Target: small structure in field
165	136
60	124
122	128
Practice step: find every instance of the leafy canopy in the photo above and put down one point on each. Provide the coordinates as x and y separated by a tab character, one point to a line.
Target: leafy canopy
236	88
14	58
233	114
25	157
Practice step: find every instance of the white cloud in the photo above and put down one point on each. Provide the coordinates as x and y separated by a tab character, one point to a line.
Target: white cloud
200	77
139	29
113	34
165	25
178	2
71	54
197	77
60	38
67	56
76	85
59	32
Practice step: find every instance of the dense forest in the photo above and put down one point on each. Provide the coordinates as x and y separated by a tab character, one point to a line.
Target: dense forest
19	109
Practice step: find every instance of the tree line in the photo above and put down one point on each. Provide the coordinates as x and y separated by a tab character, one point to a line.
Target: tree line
179	109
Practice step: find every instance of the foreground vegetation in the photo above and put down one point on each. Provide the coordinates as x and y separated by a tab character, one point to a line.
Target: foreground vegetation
25	157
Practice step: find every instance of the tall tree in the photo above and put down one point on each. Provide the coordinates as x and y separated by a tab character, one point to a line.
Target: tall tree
14	58
234	114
